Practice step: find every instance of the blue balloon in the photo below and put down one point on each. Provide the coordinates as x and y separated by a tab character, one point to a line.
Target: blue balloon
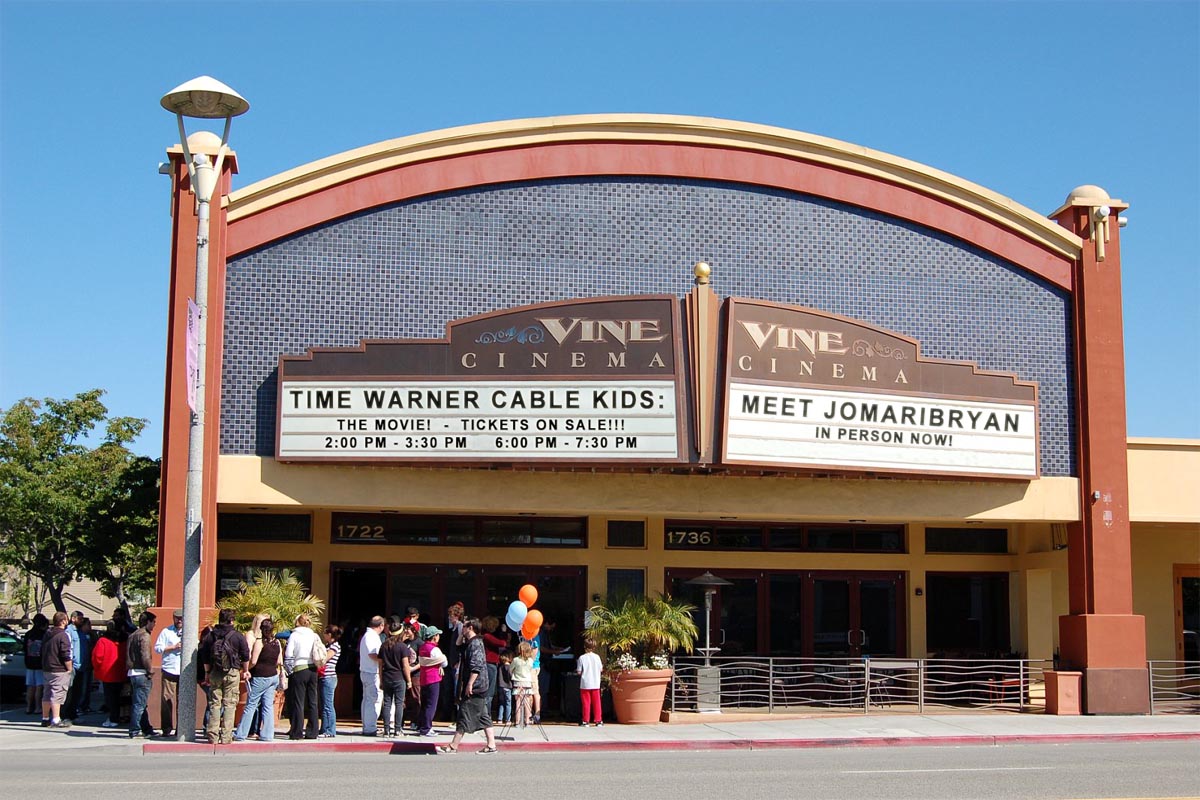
516	615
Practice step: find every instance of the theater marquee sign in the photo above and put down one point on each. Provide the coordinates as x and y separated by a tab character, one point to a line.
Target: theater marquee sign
588	380
603	381
807	389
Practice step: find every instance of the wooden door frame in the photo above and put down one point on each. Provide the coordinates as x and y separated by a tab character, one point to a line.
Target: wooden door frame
1179	572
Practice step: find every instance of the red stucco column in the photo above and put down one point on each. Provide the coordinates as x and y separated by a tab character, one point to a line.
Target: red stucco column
176	414
1101	637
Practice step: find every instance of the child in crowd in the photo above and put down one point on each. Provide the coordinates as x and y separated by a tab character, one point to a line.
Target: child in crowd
589	670
522	679
504	684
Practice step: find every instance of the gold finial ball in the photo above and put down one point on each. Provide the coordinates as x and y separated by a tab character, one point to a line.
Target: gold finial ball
702	270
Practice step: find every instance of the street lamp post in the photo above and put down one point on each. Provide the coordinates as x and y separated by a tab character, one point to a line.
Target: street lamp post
201	98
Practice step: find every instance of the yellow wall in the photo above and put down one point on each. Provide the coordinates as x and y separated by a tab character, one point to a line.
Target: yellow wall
1163	476
1164	506
1156	549
654	559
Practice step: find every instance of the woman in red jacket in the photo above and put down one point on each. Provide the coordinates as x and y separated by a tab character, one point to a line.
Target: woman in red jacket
108	665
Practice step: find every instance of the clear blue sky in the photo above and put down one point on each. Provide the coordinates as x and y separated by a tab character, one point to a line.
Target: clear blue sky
1028	99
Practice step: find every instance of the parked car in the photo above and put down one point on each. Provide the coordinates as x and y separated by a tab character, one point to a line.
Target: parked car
12	666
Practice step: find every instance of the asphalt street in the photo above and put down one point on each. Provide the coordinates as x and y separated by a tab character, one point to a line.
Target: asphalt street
1075	771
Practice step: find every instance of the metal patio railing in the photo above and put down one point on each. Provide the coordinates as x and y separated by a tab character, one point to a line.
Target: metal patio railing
1174	687
857	685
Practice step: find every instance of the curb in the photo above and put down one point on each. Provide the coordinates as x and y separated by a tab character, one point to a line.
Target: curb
423	748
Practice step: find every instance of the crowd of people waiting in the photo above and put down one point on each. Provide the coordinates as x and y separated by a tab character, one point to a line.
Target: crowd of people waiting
473	671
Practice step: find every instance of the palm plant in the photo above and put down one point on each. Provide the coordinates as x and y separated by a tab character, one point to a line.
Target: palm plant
281	595
642	627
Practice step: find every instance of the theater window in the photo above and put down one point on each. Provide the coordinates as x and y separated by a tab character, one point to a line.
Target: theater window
967	614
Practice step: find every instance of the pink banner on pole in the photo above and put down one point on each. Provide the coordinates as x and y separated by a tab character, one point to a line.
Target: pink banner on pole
193	352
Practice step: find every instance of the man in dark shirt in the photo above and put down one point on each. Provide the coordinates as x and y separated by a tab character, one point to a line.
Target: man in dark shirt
223	652
57	668
473	713
140	669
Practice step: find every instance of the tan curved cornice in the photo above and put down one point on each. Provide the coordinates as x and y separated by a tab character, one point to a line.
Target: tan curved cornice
652	128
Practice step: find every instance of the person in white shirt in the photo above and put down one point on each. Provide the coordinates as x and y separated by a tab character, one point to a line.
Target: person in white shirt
168	644
302	679
368	671
589	669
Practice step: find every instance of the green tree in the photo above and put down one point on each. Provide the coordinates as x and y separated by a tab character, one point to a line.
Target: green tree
53	484
123	552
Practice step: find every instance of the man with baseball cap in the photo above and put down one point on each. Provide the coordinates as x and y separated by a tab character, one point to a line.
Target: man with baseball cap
168	645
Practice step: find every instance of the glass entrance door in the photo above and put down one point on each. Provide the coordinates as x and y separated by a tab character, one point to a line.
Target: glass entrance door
855	615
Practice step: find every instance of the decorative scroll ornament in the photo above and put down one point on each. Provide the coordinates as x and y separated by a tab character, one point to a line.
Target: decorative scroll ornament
862	347
530	335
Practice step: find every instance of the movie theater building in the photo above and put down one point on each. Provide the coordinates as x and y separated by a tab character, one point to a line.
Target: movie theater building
610	353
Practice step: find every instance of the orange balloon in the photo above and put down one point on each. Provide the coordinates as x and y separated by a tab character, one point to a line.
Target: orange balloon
534	618
529	631
528	595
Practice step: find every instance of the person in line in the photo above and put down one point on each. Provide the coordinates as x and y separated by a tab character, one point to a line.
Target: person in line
492	645
451	644
57	669
473	713
108	665
223	652
301	668
328	680
589	668
253	635
546	650
202	680
368	672
432	661
412	618
73	691
265	667
168	645
34	680
522	678
87	641
395	660
413	702
140	669
504	690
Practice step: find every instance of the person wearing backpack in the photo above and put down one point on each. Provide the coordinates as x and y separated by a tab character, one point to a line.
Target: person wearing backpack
222	652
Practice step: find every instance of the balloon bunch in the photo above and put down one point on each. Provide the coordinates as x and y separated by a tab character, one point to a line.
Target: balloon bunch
520	617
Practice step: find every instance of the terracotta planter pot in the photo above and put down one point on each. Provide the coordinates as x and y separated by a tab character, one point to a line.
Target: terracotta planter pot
638	695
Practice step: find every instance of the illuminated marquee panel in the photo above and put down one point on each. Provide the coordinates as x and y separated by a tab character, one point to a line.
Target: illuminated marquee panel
810	390
494	420
583	381
818	427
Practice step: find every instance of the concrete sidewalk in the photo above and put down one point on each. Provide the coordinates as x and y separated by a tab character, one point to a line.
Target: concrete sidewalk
715	731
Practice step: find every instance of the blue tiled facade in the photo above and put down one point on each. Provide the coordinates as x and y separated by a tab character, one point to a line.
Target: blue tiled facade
403	271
